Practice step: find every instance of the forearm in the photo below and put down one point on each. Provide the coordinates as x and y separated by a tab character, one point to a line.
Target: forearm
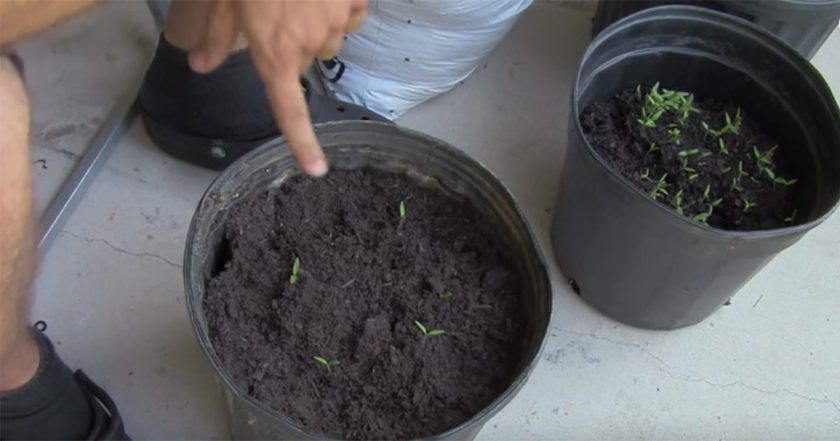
21	17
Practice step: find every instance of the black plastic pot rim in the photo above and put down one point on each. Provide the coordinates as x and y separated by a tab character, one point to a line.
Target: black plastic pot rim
816	7
746	28
266	411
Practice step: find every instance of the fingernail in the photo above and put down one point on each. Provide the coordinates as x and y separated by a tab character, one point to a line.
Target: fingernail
318	168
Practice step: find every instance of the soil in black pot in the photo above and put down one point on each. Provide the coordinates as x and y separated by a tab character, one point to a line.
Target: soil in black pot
705	158
366	306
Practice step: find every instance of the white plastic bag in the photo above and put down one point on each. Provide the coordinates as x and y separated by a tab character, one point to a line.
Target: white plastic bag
409	51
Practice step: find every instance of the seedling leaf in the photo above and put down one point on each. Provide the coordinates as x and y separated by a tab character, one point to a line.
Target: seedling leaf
748	204
722	146
426	332
326	362
702	217
295	271
402	209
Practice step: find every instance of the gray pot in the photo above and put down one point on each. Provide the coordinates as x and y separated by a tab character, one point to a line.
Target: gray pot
804	24
351	145
639	261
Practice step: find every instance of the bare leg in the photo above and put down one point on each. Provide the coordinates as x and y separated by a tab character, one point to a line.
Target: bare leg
40	397
19	356
18	350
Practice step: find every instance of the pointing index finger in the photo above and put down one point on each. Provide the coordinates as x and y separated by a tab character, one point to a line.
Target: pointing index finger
289	105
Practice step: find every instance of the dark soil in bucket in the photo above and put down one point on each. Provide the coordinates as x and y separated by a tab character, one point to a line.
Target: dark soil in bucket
334	341
705	158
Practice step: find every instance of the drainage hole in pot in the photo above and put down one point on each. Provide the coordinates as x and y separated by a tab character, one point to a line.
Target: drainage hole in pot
340	108
364	118
574	286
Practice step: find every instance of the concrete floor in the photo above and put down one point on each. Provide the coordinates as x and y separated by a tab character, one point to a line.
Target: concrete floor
111	287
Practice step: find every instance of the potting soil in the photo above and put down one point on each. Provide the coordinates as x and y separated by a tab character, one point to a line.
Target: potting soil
338	347
713	163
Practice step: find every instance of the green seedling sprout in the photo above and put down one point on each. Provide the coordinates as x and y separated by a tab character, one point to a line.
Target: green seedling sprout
646	175
649	119
725	169
659	188
687	153
402	209
748	204
733	127
738	121
686	107
426	332
295	271
706	191
763	159
708	129
722	147
735	185
326	362
678	200
704	216
791	218
657	102
741	171
693	176
653	147
686	168
785	182
675	135
445	295
653	94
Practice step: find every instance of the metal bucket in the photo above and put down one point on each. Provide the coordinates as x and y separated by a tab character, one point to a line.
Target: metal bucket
351	145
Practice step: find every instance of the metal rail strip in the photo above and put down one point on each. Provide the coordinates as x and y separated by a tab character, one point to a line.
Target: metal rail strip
76	185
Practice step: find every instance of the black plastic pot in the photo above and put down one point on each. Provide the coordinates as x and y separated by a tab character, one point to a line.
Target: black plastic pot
637	260
804	24
350	145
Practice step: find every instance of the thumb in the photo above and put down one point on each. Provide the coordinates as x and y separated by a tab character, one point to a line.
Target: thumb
218	37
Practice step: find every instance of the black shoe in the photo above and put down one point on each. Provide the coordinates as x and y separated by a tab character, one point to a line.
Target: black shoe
213	119
57	404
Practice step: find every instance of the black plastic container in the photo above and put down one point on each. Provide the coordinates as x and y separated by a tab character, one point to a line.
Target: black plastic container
637	260
350	145
804	24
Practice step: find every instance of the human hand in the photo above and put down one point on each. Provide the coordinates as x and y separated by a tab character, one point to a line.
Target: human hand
284	37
